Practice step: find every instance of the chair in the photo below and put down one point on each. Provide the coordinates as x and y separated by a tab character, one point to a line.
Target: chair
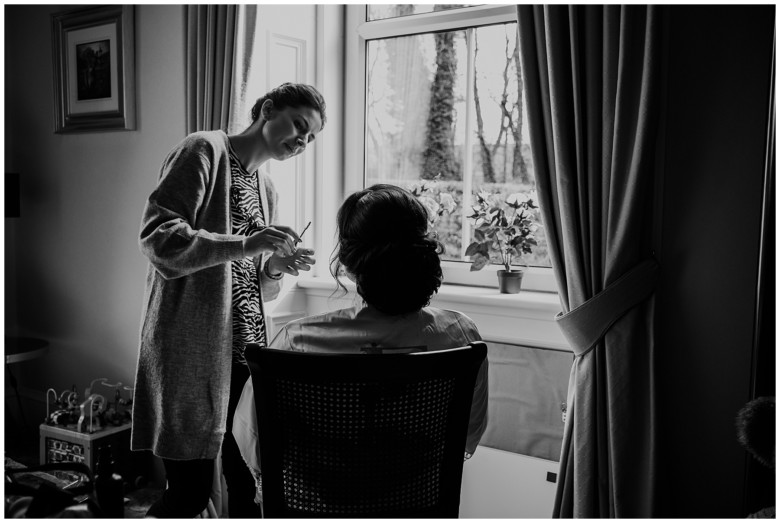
363	435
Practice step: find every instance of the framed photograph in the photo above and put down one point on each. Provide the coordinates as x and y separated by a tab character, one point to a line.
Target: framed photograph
94	69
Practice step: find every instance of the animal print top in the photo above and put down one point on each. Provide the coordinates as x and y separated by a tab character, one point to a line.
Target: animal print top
247	216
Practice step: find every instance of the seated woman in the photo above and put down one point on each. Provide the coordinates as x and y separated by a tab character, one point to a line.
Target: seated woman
385	248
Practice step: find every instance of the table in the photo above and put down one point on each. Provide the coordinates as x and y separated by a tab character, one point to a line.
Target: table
18	349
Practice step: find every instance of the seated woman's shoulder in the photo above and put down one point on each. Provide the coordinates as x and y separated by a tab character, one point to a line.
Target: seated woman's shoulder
447	313
325	318
451	317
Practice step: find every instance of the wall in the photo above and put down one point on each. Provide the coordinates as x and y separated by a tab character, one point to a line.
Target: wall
719	66
73	257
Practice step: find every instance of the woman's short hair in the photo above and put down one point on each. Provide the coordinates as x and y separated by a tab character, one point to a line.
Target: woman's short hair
292	95
384	243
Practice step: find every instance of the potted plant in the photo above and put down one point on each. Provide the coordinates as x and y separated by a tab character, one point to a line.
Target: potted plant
505	229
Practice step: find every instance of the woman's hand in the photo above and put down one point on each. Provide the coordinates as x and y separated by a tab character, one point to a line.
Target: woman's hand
277	239
300	260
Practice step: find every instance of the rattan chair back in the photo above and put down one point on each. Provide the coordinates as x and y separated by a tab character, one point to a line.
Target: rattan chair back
363	435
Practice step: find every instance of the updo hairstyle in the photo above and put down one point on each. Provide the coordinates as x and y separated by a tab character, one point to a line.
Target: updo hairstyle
292	95
384	244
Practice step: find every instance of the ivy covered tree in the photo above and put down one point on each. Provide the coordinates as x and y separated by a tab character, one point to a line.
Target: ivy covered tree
439	153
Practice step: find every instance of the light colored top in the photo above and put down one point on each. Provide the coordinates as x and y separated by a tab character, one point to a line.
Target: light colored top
183	373
356	328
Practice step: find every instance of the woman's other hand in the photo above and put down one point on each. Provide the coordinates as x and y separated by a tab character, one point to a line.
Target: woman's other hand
300	260
277	239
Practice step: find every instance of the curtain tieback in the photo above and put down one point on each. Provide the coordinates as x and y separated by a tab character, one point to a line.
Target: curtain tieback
586	324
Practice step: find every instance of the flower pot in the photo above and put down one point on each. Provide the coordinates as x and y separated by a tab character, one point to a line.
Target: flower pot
509	281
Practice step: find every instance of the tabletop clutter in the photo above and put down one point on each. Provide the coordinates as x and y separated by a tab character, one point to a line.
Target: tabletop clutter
84	453
77	427
95	412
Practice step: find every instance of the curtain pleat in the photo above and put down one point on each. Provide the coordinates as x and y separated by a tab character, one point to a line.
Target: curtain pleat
240	102
591	73
211	47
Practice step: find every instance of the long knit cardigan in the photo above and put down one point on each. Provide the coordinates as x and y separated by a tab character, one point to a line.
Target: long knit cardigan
184	361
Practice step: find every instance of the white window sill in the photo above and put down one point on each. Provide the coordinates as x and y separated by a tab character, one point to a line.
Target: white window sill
527	318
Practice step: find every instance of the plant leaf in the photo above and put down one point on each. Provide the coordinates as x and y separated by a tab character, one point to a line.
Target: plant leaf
479	262
472	249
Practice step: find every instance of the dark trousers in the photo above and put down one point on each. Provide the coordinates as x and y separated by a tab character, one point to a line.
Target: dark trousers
188	490
240	483
190	481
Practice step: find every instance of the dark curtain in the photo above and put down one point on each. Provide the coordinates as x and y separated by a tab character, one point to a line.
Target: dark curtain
592	78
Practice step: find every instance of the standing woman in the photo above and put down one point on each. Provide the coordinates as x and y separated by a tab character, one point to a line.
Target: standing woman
214	258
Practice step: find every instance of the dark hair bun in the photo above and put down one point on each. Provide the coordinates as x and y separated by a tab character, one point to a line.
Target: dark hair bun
400	277
384	244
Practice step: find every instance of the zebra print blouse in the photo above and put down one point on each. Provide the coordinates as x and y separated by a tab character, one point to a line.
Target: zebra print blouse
247	217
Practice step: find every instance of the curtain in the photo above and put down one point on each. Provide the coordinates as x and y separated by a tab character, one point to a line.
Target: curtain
591	74
213	43
245	51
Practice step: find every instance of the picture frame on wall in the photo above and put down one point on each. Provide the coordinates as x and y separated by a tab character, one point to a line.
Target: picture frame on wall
94	69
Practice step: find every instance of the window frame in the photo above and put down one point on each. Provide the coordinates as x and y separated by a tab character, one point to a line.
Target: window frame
358	33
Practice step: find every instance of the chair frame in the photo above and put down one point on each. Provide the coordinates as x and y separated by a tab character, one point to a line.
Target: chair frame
269	365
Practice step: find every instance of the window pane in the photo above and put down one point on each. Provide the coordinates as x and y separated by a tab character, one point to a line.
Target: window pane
382	11
421	89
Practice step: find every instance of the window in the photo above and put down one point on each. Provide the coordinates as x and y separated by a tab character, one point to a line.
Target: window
381	11
443	113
